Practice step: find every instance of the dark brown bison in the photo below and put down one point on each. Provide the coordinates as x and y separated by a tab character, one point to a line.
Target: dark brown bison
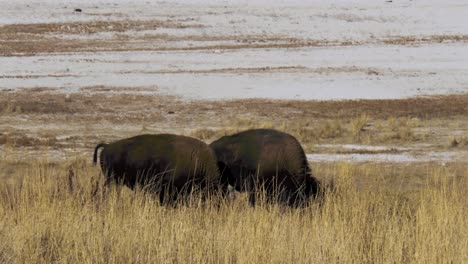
269	160
166	164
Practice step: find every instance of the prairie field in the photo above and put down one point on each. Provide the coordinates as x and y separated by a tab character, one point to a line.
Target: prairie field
375	91
54	208
57	215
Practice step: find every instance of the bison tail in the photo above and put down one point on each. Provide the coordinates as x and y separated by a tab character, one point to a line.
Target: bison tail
96	152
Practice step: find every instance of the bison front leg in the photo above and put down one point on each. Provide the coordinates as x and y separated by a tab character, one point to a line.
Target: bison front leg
251	188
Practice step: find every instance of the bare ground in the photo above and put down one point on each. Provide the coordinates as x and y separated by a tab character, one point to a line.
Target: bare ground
41	120
39	38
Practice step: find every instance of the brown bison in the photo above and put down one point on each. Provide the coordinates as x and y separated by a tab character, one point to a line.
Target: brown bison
166	164
269	160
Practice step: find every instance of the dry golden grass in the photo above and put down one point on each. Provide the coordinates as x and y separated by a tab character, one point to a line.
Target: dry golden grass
21	140
448	106
52	216
458	141
358	125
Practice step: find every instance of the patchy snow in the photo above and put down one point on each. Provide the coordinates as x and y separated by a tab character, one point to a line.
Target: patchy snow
362	147
370	69
311	18
438	157
322	73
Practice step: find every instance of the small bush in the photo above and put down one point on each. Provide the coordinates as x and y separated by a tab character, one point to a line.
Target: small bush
358	126
331	129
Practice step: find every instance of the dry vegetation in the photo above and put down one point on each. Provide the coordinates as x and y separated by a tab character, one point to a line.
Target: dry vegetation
106	113
31	39
54	209
53	215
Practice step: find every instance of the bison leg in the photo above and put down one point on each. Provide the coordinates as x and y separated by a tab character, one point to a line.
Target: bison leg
251	189
226	177
224	189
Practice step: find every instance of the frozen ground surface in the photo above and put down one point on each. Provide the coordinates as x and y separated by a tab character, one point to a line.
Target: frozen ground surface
391	154
251	49
441	157
437	157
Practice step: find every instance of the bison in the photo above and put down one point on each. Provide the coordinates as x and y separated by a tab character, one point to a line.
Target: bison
165	163
268	160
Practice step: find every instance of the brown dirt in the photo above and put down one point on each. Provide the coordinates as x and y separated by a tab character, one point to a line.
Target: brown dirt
41	101
40	118
90	27
273	69
31	39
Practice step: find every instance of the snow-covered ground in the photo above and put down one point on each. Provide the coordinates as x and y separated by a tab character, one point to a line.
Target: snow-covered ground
437	157
304	73
360	49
